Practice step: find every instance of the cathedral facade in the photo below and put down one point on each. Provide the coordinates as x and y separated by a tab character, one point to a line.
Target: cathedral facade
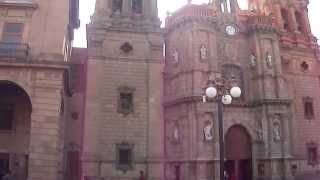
132	104
271	131
145	117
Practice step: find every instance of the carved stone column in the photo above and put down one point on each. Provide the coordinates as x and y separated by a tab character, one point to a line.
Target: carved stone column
306	23
277	9
292	20
147	8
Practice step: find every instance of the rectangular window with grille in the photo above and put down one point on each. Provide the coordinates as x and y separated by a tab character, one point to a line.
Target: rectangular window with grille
308	108
312	152
125	100
11	41
12	33
124	156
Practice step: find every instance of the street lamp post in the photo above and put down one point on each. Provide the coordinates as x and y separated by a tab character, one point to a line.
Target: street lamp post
222	90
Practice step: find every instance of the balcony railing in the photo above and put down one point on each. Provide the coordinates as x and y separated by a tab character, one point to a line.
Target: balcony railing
264	21
14	50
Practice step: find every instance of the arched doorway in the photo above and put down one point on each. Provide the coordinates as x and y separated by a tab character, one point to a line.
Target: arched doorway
15	126
238	152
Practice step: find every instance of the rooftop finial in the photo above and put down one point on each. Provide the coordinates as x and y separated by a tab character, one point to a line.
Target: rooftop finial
189	1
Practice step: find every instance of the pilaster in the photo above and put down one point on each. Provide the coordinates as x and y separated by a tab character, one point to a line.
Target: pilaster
293	27
306	22
46	144
126	8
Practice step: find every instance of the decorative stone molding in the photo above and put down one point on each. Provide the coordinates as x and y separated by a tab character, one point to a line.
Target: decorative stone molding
304	66
126	47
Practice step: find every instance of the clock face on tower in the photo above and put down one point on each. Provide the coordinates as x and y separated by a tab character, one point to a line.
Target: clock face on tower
231	30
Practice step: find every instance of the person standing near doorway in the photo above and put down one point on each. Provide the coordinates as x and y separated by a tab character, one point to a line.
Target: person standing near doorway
226	176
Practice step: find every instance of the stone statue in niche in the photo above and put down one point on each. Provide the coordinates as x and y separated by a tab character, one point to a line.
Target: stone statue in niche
203	52
259	134
269	59
176	132
252	60
259	131
175	56
207	131
276	132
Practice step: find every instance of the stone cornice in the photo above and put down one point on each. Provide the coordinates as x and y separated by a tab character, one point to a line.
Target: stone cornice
26	4
34	64
126	25
252	104
130	59
262	28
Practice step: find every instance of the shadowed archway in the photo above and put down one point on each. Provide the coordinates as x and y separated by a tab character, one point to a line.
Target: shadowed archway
15	128
238	150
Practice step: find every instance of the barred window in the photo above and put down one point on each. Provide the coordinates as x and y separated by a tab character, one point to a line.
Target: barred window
312	153
124	157
125	101
12	33
308	108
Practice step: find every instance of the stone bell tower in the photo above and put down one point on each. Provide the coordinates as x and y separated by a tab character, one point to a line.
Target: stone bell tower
123	131
226	10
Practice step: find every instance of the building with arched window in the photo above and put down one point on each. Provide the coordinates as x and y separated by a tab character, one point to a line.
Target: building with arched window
271	131
35	49
130	106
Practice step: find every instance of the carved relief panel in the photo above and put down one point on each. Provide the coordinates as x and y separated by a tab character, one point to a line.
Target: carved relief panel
227	50
230	71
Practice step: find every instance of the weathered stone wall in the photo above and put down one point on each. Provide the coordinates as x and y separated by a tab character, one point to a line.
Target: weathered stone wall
45	143
124	55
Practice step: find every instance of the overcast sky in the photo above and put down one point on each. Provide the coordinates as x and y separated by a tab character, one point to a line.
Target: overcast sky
87	8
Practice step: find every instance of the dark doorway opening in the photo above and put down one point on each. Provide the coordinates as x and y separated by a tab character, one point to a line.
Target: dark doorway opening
4	164
238	154
239	169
